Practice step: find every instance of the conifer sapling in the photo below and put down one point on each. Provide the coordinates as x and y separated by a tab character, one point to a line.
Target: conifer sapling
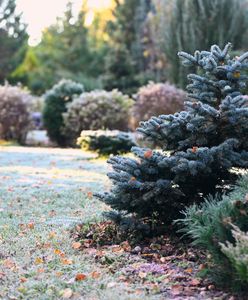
199	146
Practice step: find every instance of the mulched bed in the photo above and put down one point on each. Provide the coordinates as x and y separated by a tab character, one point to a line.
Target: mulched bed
164	265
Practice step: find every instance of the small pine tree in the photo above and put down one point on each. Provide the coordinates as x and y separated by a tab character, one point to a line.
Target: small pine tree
199	145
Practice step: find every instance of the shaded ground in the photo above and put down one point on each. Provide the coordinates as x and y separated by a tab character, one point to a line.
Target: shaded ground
43	193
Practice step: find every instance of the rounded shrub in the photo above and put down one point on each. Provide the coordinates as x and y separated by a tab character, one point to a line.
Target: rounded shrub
56	101
15	118
156	99
97	110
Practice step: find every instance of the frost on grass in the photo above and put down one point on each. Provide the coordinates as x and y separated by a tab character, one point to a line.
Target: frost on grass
44	192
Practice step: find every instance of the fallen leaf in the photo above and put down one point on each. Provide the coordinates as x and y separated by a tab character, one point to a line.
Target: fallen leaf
66	261
142	274
117	249
189	270
23	279
52	235
30	225
90	195
39	261
76	245
80	277
8	263
67	293
148	154
95	275
59	252
177	289
195	282
41	270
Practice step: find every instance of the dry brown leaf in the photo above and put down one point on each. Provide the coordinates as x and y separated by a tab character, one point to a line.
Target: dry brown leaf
66	261
76	245
177	289
8	263
195	282
95	275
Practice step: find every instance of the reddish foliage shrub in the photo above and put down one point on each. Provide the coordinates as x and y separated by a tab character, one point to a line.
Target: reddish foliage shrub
15	118
157	99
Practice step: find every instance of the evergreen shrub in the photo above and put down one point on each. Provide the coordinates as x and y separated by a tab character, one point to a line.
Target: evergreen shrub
237	254
211	226
56	101
15	118
106	142
97	110
199	146
155	99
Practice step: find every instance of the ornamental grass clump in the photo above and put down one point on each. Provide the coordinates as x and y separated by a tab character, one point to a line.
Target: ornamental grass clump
199	146
15	120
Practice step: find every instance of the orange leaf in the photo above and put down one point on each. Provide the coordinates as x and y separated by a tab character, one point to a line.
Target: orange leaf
76	245
148	154
30	225
132	179
41	270
59	252
59	274
90	195
189	270
95	275
66	261
23	279
80	277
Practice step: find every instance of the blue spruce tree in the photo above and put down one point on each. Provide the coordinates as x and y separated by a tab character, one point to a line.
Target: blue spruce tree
199	146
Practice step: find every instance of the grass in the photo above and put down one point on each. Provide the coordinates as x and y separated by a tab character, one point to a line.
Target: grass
43	193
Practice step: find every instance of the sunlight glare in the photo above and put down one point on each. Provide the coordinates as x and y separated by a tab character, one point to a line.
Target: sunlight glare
41	14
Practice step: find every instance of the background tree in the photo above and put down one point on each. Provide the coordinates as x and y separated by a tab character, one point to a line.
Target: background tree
194	24
126	60
13	39
65	51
